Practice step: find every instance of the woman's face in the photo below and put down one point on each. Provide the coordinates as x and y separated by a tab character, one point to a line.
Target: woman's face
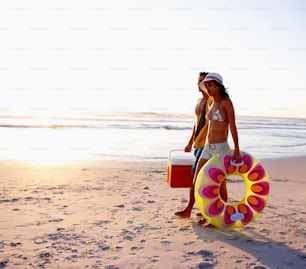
212	87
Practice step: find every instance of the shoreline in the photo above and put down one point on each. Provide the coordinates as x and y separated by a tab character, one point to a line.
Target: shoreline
298	158
98	214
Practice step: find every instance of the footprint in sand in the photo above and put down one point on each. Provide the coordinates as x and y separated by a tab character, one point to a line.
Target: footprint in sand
3	263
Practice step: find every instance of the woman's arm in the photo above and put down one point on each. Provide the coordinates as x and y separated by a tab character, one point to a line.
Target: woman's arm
230	113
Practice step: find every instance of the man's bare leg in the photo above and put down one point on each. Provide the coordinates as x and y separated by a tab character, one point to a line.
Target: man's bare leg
187	211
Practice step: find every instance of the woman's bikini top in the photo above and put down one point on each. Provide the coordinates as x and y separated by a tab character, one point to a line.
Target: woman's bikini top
216	116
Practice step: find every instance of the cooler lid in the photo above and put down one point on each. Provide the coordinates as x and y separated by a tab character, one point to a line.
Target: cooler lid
179	157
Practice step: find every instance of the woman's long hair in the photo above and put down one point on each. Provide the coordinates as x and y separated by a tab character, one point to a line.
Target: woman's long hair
222	90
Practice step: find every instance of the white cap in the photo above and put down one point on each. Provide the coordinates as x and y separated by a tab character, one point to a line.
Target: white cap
214	76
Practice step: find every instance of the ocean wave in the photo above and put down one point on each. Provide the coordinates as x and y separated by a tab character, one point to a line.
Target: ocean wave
136	136
105	121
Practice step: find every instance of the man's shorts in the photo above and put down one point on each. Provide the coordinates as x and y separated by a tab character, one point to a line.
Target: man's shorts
197	154
210	150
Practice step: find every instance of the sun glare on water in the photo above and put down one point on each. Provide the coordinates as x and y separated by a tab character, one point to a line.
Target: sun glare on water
41	147
47	146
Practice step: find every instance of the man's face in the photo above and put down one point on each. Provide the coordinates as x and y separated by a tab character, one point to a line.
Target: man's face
201	78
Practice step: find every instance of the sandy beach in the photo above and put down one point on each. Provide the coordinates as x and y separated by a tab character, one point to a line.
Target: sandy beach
121	215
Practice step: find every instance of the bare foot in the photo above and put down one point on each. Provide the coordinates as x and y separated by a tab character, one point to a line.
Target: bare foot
201	222
183	214
209	225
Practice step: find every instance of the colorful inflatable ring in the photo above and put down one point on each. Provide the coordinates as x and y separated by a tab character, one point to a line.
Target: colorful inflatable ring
231	215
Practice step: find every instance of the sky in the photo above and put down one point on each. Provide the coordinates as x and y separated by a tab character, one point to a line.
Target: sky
59	57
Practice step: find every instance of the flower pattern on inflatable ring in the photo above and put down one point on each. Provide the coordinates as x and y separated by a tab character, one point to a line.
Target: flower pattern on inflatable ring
257	173
247	212
215	174
256	202
231	215
209	191
261	188
226	160
230	169
228	212
215	208
247	164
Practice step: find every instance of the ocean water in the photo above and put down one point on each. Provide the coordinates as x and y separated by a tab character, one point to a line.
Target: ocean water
128	136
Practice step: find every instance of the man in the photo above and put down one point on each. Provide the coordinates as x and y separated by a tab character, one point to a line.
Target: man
197	140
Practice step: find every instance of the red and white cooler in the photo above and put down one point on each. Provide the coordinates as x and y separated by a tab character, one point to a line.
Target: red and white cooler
179	169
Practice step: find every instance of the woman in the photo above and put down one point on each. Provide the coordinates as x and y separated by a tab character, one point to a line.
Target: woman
221	116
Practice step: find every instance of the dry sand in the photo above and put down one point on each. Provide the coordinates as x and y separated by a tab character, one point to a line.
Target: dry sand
121	215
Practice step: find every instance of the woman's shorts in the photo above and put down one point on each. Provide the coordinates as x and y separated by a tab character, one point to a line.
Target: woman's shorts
210	150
